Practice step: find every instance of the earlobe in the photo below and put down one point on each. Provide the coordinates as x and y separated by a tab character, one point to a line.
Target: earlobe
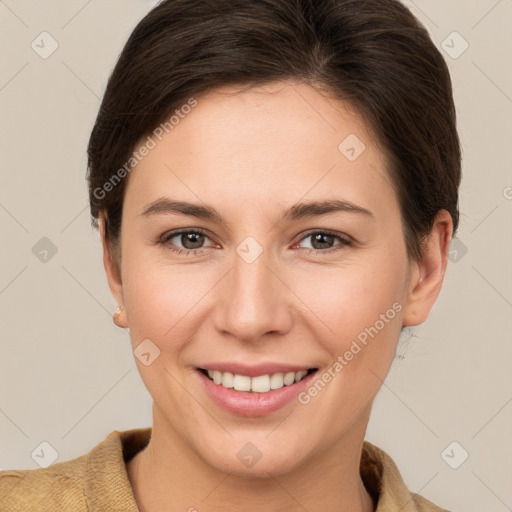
431	270
113	273
119	317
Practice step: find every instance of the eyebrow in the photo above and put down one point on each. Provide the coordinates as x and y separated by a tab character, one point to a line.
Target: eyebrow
295	212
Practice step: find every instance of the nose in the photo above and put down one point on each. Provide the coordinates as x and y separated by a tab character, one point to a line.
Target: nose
253	300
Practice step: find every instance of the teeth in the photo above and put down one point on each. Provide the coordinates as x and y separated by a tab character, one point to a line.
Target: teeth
300	375
259	384
242	383
228	380
289	378
276	381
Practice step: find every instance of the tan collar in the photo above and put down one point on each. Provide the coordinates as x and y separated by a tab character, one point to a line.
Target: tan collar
106	476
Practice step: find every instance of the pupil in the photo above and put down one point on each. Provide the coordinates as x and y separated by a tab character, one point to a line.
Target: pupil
186	238
318	237
199	239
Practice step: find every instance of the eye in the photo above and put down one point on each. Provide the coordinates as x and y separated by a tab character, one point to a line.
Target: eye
192	241
322	242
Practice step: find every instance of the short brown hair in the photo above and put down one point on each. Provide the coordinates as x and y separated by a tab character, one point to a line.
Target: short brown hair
372	53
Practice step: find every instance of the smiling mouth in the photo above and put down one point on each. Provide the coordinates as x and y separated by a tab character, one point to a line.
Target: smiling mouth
257	384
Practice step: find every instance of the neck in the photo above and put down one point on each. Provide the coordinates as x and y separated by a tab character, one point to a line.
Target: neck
168	476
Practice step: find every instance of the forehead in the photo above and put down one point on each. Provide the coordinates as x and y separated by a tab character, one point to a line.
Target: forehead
281	111
284	139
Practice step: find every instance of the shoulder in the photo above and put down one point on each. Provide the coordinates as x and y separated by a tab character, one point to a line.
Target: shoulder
95	481
424	505
386	485
57	487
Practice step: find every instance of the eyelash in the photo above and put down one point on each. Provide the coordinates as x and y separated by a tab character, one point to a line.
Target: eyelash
165	241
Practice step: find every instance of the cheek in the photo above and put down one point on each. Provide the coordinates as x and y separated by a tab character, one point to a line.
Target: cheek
360	308
360	314
352	297
162	299
339	302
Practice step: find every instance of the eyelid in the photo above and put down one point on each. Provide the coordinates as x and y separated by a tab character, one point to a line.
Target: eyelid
346	240
342	236
171	234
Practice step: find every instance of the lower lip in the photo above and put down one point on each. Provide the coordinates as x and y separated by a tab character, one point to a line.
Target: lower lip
244	403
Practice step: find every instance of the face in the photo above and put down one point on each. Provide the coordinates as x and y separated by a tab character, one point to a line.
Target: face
251	279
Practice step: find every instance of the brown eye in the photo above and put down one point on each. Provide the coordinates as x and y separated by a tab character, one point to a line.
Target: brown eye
185	241
191	240
322	240
325	242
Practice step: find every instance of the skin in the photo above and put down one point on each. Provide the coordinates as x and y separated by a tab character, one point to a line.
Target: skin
234	152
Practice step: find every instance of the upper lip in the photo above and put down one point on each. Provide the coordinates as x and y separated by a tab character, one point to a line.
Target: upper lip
255	369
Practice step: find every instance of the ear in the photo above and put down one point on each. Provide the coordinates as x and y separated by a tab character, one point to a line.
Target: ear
113	271
429	272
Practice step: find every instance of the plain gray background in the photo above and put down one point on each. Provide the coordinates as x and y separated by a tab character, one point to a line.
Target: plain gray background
67	374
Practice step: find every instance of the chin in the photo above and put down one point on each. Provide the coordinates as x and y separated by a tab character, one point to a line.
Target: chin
249	462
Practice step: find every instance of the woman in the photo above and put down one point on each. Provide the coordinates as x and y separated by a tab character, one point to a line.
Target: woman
276	187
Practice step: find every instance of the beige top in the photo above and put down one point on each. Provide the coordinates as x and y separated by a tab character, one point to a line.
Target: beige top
98	481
